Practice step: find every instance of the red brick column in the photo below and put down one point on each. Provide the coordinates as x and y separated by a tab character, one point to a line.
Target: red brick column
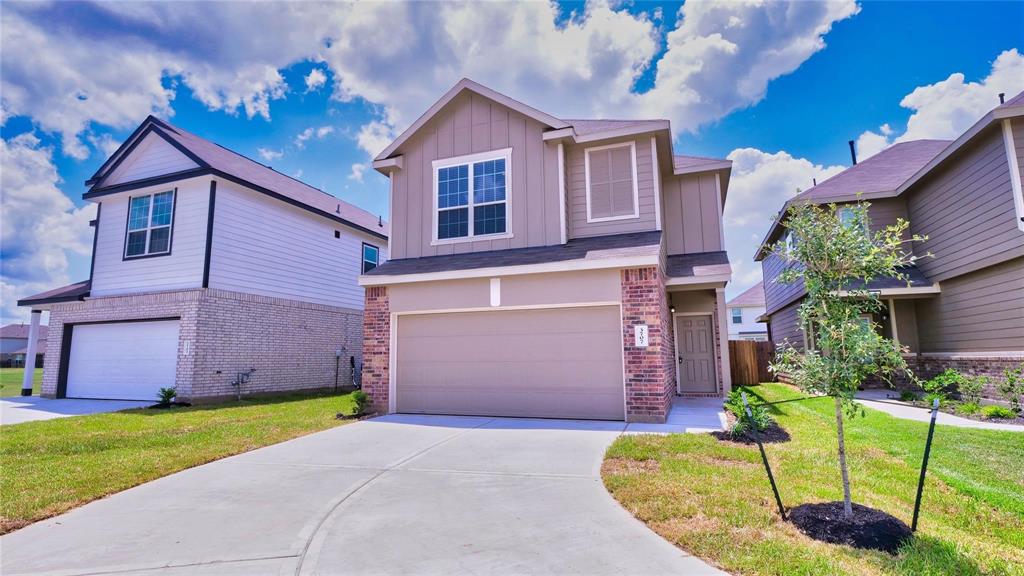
649	370
376	347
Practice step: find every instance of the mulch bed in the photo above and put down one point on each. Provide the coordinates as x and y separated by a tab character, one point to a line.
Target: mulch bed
169	405
774	434
869	527
1019	420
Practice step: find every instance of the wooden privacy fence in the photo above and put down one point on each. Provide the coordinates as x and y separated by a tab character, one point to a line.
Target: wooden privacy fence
748	361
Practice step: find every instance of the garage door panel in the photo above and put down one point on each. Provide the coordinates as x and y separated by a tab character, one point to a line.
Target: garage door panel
563	363
122	361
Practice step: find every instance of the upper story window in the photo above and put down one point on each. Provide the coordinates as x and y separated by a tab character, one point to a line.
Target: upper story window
612	192
737	315
150	219
848	217
471	196
371	257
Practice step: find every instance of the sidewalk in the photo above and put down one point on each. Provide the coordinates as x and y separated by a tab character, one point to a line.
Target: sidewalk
885	401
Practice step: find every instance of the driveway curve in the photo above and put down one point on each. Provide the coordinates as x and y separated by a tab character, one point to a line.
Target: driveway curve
392	495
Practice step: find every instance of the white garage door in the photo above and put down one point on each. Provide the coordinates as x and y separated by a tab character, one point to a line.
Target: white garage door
553	363
122	361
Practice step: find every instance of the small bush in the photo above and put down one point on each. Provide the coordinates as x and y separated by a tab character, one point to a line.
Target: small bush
994	411
167	395
969	408
1012	388
944	384
361	400
932	397
909	396
970	388
744	424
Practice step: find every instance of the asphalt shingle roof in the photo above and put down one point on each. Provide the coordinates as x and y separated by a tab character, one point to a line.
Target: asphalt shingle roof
753	296
21	331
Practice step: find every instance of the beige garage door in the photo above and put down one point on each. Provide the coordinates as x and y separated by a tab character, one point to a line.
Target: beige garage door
553	363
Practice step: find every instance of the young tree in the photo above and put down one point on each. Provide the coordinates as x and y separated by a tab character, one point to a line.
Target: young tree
835	255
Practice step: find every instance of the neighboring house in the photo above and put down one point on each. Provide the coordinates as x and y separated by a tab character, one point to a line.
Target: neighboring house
964	307
546	267
210	272
744	311
14	344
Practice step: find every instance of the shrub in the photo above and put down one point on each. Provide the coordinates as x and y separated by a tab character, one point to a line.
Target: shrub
167	395
745	424
361	400
1012	388
969	408
944	384
994	411
909	396
970	388
932	397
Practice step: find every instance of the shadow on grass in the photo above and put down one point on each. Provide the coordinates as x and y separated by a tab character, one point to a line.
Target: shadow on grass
930	555
244	402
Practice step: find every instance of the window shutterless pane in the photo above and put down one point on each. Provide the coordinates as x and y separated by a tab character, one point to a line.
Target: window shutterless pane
162	204
453	223
136	243
489	181
138	213
489	219
370	257
159	240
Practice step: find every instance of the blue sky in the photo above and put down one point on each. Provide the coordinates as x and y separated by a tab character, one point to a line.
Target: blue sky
77	78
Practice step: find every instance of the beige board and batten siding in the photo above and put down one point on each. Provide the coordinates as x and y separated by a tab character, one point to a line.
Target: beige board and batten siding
471	124
154	156
577	191
692	221
966	209
906	324
268	247
978	312
182	268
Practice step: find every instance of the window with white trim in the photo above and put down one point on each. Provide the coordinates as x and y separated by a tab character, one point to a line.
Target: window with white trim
612	192
150	219
737	315
371	257
848	217
471	196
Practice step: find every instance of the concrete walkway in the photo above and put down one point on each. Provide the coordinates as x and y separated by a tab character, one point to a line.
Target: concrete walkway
18	409
887	401
392	495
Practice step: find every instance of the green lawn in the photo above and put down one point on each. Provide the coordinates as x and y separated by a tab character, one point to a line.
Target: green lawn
712	498
51	466
10	381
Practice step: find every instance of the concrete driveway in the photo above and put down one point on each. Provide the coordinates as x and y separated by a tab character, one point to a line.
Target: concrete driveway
393	495
18	409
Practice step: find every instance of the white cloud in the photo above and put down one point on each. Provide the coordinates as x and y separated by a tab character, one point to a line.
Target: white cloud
315	79
104	143
947	108
39	225
761	182
320	133
374	137
269	155
357	172
324	131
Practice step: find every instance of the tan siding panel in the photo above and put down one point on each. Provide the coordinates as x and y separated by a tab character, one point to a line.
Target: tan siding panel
691	219
576	192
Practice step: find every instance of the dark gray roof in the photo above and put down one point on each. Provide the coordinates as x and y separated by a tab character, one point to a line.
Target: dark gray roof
883	172
68	293
753	296
599	247
681	162
914	275
586	127
21	331
682	265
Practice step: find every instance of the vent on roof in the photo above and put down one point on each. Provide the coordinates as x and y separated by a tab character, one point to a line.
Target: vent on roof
853	152
1002	97
338	209
380	221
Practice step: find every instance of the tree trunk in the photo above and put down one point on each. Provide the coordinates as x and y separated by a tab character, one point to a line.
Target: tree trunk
847	500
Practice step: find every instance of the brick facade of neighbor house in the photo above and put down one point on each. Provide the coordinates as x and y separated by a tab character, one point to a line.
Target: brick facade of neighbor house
292	345
377	347
928	366
649	370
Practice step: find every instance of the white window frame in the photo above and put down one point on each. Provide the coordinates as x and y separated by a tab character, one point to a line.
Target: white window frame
363	260
471	159
636	187
849	210
732	315
149	225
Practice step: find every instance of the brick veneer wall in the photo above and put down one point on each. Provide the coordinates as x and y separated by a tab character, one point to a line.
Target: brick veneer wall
926	366
649	371
377	347
291	344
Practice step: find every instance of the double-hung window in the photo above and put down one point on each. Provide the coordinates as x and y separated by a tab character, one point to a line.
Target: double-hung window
150	219
849	217
471	196
371	257
737	315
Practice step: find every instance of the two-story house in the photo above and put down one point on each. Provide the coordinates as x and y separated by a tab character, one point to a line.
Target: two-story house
14	345
546	267
964	307
745	312
212	273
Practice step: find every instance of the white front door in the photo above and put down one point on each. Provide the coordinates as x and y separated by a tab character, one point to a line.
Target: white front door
123	360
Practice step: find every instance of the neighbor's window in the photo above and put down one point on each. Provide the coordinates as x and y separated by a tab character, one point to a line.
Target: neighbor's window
149	225
472	195
612	192
371	257
737	315
848	217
